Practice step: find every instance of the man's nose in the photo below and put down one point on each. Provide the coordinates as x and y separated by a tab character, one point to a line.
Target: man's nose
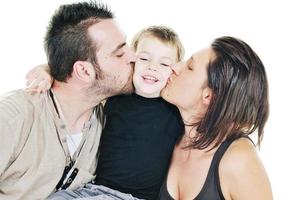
131	55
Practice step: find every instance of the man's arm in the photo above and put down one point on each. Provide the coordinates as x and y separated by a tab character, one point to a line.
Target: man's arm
7	144
11	126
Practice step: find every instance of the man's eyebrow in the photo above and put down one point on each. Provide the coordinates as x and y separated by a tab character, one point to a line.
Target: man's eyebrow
118	47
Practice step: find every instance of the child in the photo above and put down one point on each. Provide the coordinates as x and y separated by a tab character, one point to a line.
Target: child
141	129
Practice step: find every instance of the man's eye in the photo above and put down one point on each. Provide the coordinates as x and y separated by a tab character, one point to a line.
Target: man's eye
120	55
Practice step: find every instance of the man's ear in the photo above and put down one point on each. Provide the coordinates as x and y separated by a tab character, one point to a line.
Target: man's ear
207	94
84	71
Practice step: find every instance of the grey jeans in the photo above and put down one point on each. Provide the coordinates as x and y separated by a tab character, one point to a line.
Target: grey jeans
91	192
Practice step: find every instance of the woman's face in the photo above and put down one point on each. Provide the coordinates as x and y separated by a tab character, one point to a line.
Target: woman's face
187	86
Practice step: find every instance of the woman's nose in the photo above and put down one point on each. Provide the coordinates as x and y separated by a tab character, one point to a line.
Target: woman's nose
176	68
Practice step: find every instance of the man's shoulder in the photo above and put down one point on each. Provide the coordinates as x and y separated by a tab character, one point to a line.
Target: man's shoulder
18	101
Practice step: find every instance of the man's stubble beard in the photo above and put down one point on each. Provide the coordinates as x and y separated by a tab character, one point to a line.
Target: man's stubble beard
105	86
128	87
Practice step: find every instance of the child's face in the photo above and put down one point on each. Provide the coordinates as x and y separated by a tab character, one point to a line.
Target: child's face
153	66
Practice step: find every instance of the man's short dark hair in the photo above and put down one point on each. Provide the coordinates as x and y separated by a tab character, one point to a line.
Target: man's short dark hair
67	39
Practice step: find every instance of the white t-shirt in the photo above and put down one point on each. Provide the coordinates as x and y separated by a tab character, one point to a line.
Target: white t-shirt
73	141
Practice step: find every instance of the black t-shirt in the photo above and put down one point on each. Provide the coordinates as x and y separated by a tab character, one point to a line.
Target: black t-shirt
137	144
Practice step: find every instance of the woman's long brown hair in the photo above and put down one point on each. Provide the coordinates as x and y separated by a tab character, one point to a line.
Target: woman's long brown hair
240	94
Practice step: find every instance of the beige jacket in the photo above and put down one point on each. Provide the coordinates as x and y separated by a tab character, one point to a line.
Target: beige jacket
33	147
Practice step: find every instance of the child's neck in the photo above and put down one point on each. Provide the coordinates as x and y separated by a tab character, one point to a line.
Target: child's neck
146	95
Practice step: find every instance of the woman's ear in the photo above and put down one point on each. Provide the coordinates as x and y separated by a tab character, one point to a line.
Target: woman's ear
207	95
84	71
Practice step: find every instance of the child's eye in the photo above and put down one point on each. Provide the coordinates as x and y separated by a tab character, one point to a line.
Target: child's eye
144	59
165	65
120	55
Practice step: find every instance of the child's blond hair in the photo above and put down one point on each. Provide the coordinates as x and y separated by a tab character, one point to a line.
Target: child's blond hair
162	33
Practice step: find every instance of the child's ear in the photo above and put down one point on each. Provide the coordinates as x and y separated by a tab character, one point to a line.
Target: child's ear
207	95
84	71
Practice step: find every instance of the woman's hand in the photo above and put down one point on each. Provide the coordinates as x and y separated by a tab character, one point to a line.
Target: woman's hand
39	79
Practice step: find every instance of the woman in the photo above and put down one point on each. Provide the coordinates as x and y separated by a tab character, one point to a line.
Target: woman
222	95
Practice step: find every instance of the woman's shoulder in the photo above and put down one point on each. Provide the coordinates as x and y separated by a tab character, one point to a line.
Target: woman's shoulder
241	167
240	158
240	151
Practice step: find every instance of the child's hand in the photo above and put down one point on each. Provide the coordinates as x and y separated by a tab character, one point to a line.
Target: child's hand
39	79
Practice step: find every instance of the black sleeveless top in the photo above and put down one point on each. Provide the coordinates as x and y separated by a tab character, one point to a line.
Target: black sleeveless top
211	189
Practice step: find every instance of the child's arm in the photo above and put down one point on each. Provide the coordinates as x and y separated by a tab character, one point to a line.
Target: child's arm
39	79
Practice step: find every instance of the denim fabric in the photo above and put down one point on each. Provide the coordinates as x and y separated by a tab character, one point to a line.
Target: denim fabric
91	192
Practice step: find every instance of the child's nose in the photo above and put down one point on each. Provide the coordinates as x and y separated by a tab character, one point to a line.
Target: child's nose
152	66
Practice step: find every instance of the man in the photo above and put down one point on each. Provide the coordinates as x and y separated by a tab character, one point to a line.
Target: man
50	140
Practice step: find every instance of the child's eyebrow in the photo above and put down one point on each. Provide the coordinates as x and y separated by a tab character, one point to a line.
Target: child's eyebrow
144	52
165	57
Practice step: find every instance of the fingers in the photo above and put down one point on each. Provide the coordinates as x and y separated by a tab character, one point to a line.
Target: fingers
39	84
44	86
31	76
38	79
37	72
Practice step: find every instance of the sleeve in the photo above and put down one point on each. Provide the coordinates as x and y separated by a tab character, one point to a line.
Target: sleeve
11	125
7	144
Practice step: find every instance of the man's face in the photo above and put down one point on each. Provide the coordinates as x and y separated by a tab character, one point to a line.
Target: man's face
115	60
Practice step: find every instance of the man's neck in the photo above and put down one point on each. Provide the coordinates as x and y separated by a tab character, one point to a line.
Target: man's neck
75	107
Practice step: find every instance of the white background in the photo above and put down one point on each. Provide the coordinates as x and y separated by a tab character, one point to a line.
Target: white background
272	28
